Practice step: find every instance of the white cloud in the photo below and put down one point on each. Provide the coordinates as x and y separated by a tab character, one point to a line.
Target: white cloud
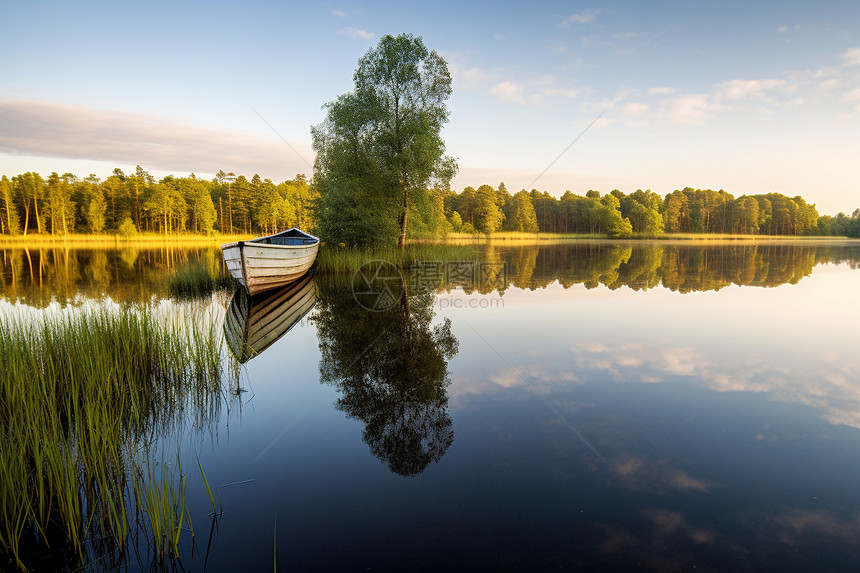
698	109
467	76
638	473
351	32
537	90
836	394
584	17
551	93
474	75
851	57
636	113
735	90
603	122
53	129
635	108
520	94
691	109
509	91
782	29
853	95
338	13
660	91
830	84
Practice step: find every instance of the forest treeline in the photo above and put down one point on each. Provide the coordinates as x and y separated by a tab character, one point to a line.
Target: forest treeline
126	204
644	213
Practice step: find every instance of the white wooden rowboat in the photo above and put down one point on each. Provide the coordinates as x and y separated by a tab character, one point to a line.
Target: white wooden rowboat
273	261
254	323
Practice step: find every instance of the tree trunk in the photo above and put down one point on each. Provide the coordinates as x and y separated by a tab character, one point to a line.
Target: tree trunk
137	207
404	299
401	240
38	220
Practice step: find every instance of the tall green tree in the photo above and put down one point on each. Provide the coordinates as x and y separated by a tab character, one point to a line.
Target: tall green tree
523	216
138	185
8	211
613	223
222	199
94	206
62	209
29	191
300	195
199	200
488	215
381	144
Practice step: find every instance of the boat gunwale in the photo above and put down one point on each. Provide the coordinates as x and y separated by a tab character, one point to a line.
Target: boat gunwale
256	242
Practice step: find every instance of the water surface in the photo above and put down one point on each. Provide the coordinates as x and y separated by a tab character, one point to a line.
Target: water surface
595	405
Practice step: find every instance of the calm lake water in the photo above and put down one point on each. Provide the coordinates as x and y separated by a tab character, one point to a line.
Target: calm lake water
588	405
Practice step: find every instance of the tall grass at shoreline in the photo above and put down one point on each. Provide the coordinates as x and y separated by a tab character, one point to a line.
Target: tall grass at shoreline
154	240
83	392
518	236
468	238
90	241
199	278
333	259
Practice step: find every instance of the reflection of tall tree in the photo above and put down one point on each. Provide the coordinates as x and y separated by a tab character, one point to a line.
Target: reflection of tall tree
391	369
524	267
592	264
642	269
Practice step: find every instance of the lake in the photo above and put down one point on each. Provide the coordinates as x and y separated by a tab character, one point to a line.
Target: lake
662	406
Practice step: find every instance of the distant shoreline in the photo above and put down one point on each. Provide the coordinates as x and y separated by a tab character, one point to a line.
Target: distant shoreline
150	240
457	238
140	239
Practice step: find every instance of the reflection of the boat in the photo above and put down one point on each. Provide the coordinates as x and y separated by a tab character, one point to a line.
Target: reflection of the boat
255	323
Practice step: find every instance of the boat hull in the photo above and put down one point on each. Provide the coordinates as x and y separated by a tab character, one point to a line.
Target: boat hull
260	267
255	323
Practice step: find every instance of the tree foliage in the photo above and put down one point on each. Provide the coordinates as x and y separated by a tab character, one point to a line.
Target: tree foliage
63	204
380	149
355	209
523	217
644	213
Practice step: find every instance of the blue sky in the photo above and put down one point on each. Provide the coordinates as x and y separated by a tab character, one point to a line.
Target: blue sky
749	97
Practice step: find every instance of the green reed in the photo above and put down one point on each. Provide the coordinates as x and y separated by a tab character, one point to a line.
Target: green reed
199	278
161	495
334	259
82	392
